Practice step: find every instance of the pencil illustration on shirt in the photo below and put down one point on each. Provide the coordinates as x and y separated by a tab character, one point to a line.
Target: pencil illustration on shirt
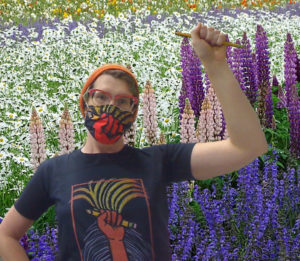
107	200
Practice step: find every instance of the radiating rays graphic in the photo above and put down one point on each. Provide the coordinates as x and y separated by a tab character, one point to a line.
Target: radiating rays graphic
110	195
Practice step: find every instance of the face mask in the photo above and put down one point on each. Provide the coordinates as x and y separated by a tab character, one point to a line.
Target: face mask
107	123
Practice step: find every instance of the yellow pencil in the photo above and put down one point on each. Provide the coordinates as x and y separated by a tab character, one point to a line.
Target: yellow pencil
225	43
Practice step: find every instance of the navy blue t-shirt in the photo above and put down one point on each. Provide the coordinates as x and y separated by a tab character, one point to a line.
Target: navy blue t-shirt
109	206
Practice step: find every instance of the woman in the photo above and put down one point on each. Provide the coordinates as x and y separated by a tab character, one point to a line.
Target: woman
110	198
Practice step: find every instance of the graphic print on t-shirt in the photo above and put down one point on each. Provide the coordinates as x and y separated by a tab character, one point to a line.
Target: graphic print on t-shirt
118	206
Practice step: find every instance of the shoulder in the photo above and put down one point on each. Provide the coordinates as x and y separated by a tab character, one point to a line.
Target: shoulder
55	160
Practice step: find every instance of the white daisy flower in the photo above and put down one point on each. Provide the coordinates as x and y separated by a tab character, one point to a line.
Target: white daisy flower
21	160
3	155
18	124
3	140
11	115
121	16
167	122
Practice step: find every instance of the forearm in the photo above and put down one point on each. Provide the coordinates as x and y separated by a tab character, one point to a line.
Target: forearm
11	250
242	122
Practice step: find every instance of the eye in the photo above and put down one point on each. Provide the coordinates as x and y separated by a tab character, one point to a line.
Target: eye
123	101
101	96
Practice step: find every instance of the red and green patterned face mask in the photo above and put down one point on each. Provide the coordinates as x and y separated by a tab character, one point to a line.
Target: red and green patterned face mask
107	123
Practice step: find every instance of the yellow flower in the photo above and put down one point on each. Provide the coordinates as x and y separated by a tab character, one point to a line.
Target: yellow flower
78	10
149	7
154	12
65	15
102	15
194	8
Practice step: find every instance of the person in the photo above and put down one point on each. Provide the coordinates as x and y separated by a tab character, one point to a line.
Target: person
110	198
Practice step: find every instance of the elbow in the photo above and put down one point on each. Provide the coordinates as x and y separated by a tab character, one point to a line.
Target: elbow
263	150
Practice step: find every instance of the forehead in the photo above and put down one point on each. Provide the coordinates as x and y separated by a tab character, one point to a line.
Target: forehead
110	84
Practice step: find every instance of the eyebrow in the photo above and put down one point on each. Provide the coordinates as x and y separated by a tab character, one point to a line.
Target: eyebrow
117	94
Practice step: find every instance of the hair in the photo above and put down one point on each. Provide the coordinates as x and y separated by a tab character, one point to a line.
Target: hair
118	74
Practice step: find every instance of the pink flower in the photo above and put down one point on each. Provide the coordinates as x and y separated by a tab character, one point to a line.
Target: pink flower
149	111
37	140
187	124
66	133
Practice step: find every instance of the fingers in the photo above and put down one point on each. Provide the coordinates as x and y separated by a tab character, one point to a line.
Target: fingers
221	39
209	34
196	31
111	217
203	32
100	220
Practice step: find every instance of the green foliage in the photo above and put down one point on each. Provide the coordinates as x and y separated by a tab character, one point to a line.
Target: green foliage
199	217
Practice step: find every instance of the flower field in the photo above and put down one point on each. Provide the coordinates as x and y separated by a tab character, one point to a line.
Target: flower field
48	50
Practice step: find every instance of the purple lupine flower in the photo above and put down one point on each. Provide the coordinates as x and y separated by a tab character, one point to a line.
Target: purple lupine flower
37	140
183	214
192	86
282	103
237	62
66	133
247	67
293	102
195	91
295	246
186	255
298	68
149	112
265	104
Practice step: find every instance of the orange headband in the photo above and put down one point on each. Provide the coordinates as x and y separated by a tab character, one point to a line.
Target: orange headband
96	73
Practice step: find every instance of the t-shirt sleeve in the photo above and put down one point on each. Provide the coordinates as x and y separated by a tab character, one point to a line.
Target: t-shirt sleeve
177	161
34	199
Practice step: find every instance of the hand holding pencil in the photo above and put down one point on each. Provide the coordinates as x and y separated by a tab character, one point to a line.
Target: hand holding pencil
208	44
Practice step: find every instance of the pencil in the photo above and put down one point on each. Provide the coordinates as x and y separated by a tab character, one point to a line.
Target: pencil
225	43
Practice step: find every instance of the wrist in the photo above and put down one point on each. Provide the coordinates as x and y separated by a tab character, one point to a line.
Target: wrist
215	66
